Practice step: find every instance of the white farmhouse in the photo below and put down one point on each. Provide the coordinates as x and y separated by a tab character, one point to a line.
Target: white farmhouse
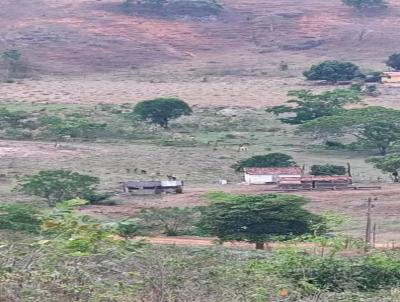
261	176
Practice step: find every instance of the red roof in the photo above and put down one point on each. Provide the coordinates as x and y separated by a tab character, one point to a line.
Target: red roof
326	178
274	171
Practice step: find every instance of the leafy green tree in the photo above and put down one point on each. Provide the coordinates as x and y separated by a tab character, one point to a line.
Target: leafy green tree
58	185
333	71
257	218
161	110
307	106
365	4
394	61
373	127
328	170
389	163
271	160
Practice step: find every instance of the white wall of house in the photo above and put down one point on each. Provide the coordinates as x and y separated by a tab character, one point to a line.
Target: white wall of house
265	179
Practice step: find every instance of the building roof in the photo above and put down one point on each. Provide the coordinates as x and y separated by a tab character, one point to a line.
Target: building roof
274	171
391	73
326	178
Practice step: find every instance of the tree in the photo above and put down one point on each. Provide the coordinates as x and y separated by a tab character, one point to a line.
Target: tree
10	57
328	170
333	71
257	218
58	185
373	127
394	61
271	160
161	110
309	106
389	163
365	4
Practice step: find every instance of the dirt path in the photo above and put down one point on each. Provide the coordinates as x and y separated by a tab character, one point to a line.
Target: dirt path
209	242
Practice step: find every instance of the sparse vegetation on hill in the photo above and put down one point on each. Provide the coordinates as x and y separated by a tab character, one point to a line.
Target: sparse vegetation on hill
192	8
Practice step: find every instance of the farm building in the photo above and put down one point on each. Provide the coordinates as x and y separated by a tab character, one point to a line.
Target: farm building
315	182
391	77
260	176
152	187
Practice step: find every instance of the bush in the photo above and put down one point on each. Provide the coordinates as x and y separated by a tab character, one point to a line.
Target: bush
339	274
328	170
17	134
333	71
365	4
271	160
394	61
19	218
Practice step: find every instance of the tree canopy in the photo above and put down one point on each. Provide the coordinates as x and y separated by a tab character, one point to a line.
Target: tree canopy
257	218
328	170
394	61
373	127
333	71
271	160
161	110
58	185
389	163
306	106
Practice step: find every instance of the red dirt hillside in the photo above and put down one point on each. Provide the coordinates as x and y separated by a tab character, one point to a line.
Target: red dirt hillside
62	36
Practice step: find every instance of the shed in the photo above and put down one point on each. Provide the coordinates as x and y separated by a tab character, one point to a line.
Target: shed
259	176
316	182
136	187
391	77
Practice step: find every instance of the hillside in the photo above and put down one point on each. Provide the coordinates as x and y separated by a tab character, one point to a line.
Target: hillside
60	37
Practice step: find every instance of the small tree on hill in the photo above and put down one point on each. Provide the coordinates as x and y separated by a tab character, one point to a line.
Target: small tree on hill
161	110
257	218
307	106
366	4
394	61
328	170
11	57
389	163
58	185
333	71
271	160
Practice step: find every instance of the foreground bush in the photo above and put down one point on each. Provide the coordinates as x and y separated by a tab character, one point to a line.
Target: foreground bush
19	218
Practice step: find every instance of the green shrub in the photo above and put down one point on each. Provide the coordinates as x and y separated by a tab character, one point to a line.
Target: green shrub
19	218
333	71
328	170
394	61
271	160
17	134
337	274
